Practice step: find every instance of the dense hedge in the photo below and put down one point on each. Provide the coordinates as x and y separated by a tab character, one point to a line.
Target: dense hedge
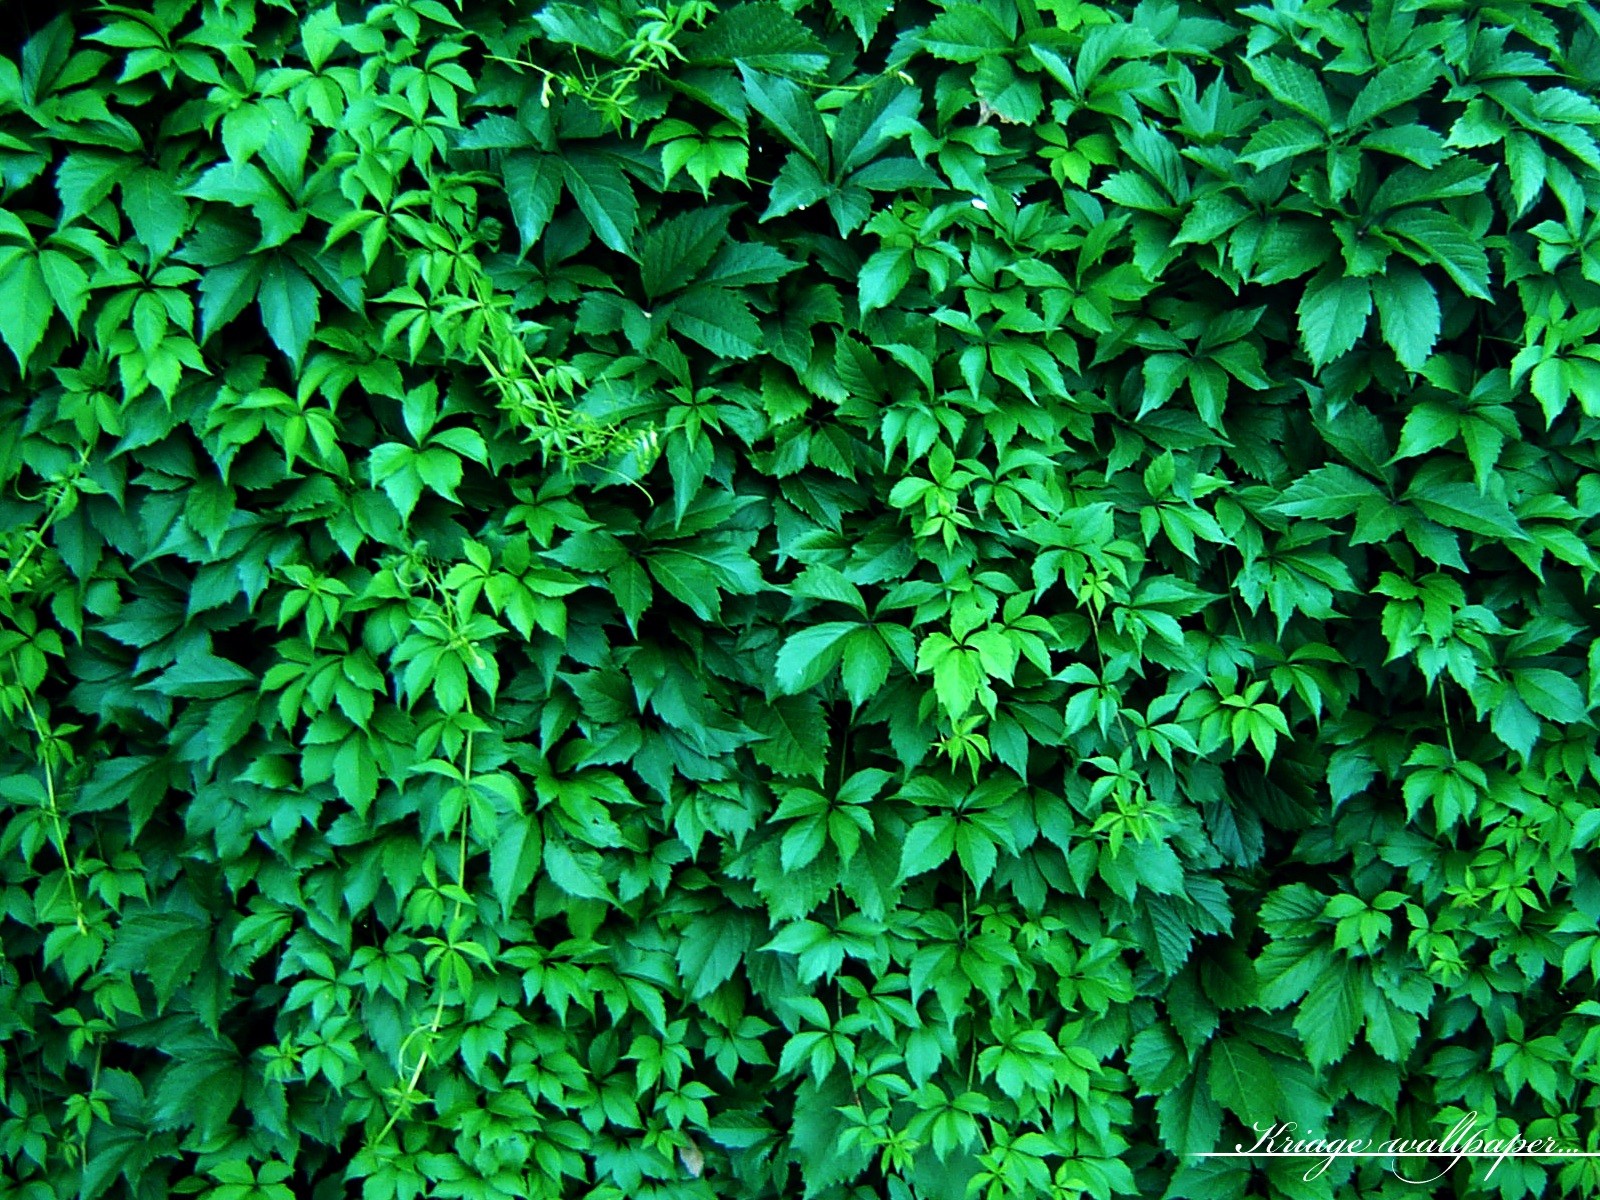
828	598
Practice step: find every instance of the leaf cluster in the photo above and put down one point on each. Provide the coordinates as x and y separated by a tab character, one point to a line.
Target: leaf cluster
800	597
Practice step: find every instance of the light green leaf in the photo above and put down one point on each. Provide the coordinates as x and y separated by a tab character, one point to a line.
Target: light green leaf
809	656
928	844
1549	693
25	314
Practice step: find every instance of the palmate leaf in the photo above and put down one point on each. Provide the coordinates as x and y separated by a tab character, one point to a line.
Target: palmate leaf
1330	1015
1293	85
1397	84
871	121
795	735
169	947
1462	506
515	858
928	844
883	276
155	209
864	15
1189	1118
1279	141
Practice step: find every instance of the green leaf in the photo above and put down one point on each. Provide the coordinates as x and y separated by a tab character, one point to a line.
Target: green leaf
809	656
604	197
1328	493
928	844
790	110
1414	143
169	947
883	276
1333	315
533	186
674	251
575	873
964	33
865	665
1294	86
85	178
155	209
1189	1119
763	35
1157	1060
206	677
719	319
515	857
1428	426
689	579
1436	237
201	1089
1330	1016
225	291
1279	141
711	949
1408	314
289	307
868	123
25	315
1462	506
864	16
1398	84
68	284
1242	1081
1550	694
795	735
799	185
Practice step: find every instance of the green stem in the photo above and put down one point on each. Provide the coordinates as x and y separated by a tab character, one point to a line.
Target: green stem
40	732
966	929
1444	709
972	1050
1233	603
455	917
57	506
1094	621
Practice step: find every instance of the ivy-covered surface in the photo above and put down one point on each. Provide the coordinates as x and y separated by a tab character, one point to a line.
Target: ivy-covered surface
808	599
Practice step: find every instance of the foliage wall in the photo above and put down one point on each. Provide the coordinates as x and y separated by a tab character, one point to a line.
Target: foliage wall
828	599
